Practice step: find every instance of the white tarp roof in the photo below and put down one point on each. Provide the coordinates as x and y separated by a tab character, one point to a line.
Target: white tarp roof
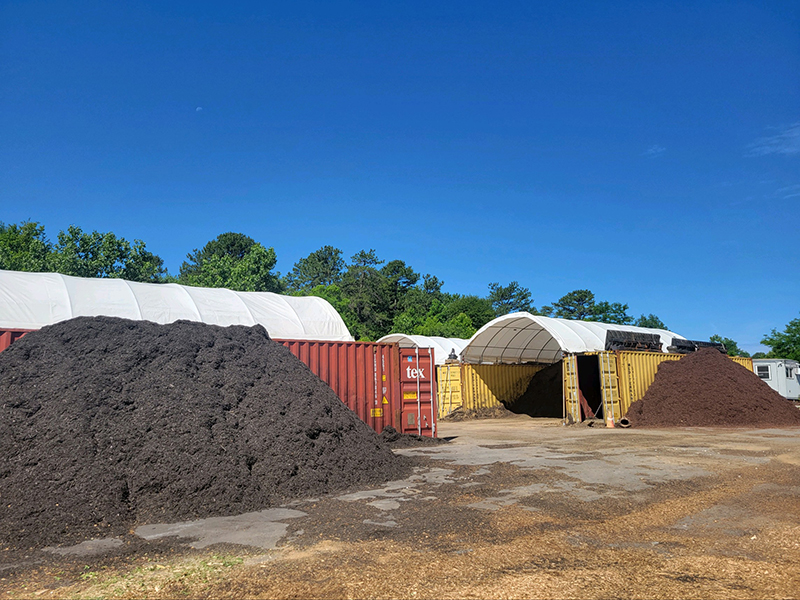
522	337
442	346
33	300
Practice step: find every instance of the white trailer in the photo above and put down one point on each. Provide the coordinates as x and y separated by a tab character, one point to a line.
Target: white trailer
781	374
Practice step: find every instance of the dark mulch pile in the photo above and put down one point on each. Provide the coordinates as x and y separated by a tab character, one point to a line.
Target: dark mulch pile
106	423
705	389
389	435
544	396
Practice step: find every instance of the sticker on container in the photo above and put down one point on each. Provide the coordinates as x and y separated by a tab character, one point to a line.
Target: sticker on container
409	395
385	401
384	377
376	412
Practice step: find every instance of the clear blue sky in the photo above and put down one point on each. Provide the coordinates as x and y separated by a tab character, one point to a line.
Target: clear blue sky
648	151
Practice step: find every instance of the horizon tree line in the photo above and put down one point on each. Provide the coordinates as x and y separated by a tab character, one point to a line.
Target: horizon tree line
374	297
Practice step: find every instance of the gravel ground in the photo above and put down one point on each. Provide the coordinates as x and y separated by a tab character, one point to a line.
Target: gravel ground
511	508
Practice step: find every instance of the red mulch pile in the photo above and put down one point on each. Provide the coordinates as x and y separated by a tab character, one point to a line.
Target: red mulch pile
708	389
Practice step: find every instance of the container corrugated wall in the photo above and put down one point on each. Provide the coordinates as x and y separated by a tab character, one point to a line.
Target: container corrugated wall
747	363
449	396
9	336
417	401
365	375
484	386
637	371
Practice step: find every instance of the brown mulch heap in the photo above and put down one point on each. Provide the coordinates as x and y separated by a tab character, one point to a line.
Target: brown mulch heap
106	423
465	414
707	389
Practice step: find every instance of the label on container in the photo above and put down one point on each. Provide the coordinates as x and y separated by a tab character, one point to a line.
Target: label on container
376	412
385	401
409	395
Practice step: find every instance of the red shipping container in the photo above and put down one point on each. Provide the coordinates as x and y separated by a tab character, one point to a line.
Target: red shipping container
365	375
418	410
9	336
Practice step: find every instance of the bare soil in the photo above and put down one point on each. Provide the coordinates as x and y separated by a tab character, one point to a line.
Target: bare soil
510	508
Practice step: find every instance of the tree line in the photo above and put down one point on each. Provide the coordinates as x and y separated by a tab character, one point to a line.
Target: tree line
374	296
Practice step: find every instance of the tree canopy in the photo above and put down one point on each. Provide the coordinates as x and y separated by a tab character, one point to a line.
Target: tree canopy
651	321
581	305
25	247
322	267
510	298
374	296
234	261
786	343
731	347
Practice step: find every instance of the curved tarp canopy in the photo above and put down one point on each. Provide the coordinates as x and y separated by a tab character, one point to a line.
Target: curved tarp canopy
441	346
33	300
522	337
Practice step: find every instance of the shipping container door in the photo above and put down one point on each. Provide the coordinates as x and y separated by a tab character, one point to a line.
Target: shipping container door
449	386
609	384
572	405
417	392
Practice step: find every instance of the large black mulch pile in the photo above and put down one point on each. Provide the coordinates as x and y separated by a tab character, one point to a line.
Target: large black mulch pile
106	423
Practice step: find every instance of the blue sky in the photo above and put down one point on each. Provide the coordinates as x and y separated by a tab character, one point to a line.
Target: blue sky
648	151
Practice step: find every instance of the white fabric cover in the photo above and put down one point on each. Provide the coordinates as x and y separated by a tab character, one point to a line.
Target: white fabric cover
522	337
441	346
33	300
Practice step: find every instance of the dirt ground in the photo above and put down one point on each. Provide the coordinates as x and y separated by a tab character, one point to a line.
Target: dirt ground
510	508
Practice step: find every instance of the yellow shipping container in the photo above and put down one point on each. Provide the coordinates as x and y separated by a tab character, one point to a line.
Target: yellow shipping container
477	387
608	393
624	378
449	388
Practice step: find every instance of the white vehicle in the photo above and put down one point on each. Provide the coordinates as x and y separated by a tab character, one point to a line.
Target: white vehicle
781	374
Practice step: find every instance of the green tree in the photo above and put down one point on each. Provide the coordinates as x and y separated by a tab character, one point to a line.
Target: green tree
99	254
323	267
479	310
650	321
578	304
581	305
334	295
399	280
24	247
233	245
459	326
731	347
364	286
610	312
234	261
786	343
144	266
510	298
